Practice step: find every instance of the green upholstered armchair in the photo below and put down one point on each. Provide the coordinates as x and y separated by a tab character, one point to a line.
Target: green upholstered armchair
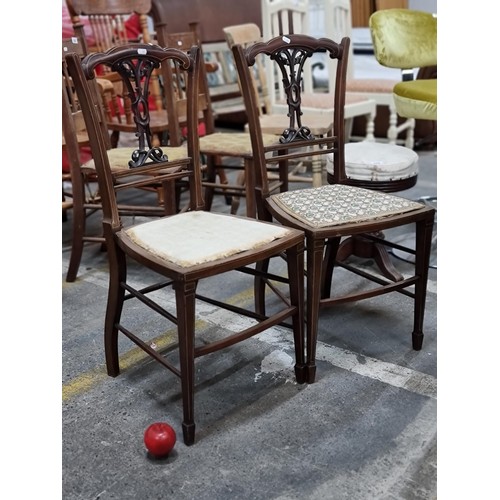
407	39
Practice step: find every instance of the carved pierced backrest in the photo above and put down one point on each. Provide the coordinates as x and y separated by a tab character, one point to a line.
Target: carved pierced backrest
283	17
136	63
247	34
288	55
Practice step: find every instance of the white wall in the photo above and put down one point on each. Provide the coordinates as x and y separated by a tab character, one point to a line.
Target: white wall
425	5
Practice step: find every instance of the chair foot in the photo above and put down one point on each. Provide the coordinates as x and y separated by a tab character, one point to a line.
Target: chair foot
310	374
301	374
417	340
113	371
188	433
235	204
71	276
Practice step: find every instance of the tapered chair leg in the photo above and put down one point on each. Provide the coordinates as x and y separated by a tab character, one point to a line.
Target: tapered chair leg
423	252
185	300
295	263
260	287
77	232
315	250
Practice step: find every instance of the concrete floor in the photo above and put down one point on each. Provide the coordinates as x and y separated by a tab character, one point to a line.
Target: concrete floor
365	430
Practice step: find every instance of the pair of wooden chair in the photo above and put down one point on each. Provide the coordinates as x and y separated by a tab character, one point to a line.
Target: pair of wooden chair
192	245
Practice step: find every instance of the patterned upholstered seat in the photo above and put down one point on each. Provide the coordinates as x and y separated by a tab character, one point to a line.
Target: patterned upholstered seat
340	204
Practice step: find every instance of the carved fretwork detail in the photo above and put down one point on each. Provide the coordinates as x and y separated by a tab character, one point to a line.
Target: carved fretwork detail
139	157
137	75
291	62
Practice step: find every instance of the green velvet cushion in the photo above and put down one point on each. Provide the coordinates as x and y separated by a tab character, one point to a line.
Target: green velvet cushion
404	38
416	99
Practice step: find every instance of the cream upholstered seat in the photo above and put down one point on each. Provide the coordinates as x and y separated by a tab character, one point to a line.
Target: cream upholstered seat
377	162
188	239
381	167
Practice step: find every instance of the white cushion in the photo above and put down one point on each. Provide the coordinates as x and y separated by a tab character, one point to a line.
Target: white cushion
193	238
376	161
338	204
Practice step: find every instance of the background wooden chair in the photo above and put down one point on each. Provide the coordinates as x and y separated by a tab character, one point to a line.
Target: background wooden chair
246	35
115	23
78	183
330	213
182	249
224	152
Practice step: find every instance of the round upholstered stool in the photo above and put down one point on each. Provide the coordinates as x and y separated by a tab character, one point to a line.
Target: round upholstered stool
381	167
378	166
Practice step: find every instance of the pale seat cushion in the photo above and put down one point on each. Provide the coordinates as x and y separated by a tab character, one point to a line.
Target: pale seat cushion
325	99
375	85
198	237
232	144
119	157
338	204
376	161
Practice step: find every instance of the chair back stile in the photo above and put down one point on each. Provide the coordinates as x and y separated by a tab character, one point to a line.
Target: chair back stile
174	91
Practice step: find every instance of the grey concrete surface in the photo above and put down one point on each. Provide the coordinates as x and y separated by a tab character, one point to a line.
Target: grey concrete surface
366	429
